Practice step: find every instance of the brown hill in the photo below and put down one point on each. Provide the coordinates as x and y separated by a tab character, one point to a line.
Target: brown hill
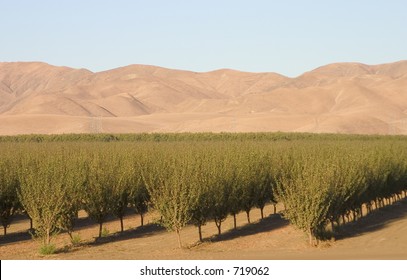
342	97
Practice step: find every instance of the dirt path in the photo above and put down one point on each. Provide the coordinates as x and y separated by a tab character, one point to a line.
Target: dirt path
381	235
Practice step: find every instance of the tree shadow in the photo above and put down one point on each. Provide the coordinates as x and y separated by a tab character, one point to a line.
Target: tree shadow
80	224
87	222
141	231
272	222
15	237
376	220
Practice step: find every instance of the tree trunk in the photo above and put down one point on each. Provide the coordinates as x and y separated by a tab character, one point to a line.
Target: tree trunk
31	223
275	208
142	219
5	230
248	216
70	235
100	229
200	232
218	225
47	237
332	226
311	237
262	213
121	224
234	221
179	237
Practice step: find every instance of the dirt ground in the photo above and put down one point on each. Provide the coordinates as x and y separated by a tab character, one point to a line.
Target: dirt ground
380	235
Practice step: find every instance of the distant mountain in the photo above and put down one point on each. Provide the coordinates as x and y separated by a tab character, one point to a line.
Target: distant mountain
343	97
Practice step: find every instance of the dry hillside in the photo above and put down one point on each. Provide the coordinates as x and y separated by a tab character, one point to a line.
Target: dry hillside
343	97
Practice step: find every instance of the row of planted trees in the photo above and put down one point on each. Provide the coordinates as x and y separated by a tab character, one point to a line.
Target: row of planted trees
326	184
320	182
51	183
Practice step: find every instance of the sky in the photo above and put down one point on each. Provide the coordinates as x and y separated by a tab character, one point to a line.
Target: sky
288	37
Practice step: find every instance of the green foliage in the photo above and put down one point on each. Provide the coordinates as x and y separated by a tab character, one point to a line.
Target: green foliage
74	195
9	202
172	186
122	187
140	197
263	182
197	177
45	184
47	249
76	239
306	194
195	137
98	190
105	232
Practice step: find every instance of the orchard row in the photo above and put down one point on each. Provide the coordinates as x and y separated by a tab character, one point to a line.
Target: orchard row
321	181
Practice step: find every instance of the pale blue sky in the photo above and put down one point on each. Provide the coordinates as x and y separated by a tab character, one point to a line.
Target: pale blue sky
289	37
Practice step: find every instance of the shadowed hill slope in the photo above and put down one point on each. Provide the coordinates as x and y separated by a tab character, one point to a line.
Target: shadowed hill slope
343	97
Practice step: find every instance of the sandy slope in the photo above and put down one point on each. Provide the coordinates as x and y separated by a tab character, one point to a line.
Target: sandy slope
343	97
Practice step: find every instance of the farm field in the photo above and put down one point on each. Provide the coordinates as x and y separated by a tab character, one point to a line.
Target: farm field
203	196
381	235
